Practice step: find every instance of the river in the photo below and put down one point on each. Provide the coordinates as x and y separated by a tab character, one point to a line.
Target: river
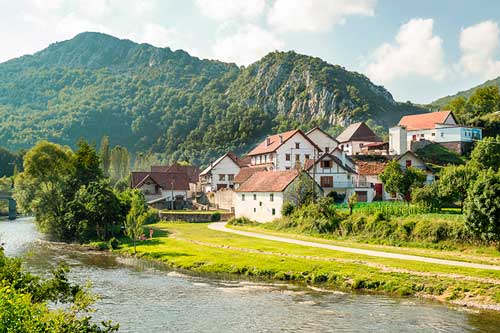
144	297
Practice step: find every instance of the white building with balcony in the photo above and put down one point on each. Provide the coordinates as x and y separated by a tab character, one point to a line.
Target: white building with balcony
220	173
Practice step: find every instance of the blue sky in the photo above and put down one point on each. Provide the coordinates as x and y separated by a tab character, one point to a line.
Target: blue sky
419	50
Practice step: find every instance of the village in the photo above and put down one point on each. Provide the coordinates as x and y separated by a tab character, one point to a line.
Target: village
257	185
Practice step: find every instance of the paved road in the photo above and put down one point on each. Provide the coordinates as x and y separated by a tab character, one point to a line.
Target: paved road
221	226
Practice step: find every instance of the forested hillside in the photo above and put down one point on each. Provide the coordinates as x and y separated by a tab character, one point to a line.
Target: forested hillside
444	101
148	98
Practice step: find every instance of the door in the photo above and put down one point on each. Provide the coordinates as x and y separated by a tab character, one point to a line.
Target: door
378	191
362	196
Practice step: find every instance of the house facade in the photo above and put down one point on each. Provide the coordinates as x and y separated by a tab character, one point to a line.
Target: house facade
261	197
162	190
220	173
284	151
439	127
323	140
354	139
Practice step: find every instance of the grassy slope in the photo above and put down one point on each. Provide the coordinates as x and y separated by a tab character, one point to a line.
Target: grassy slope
195	247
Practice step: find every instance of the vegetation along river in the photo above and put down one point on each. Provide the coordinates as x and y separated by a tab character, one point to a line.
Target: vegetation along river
145	298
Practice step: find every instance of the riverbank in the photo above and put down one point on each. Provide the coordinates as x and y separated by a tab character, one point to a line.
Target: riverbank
197	248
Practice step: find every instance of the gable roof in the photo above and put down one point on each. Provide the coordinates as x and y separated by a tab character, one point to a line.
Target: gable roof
212	165
275	142
269	181
309	163
319	129
247	172
358	132
425	121
167	181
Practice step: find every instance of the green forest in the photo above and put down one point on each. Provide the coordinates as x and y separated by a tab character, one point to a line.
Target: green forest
150	99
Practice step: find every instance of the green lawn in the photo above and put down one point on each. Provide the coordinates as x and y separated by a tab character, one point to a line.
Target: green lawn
197	248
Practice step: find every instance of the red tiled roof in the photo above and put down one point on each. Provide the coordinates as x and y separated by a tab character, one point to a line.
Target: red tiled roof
370	167
193	172
247	172
275	142
358	132
268	181
167	181
424	121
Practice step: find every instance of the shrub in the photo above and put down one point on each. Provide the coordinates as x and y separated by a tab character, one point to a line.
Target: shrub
242	221
287	209
151	216
101	246
215	217
113	243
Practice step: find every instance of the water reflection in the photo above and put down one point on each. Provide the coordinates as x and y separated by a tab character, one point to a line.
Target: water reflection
147	297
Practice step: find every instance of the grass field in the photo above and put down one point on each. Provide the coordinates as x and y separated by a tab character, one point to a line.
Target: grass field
197	248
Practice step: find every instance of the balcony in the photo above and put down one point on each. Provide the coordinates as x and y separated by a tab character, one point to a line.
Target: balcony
346	185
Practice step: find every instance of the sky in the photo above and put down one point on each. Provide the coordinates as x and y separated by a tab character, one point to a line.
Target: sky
419	50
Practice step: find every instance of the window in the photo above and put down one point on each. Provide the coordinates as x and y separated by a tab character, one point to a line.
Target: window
422	135
271	197
442	134
260	158
242	197
341	146
326	181
230	177
408	163
265	158
254	209
361	145
222	177
287	168
271	157
297	145
287	157
297	157
273	211
327	149
347	145
255	196
306	156
326	164
260	203
433	134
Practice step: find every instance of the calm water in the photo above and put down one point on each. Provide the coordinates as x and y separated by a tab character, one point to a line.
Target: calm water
145	298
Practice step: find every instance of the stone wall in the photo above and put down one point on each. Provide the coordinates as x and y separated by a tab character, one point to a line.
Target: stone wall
224	199
193	217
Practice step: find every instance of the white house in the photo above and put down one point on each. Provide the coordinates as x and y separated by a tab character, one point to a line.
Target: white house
356	137
440	127
284	151
220	173
261	197
323	140
333	174
162	189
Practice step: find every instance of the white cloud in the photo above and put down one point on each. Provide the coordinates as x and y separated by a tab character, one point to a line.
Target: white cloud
479	44
316	15
416	51
221	10
248	44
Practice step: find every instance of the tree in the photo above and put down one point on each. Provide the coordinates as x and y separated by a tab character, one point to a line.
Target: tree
454	181
303	191
482	206
484	100
105	155
120	163
399	181
351	202
487	153
86	163
135	217
429	196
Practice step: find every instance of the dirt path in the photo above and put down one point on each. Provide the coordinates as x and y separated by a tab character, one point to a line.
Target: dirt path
221	226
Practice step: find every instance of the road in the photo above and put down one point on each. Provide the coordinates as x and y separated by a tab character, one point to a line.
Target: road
221	226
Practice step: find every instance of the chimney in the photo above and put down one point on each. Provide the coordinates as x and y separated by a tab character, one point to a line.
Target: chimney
268	141
281	138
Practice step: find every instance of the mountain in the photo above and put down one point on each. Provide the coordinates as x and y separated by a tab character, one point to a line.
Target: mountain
164	101
443	101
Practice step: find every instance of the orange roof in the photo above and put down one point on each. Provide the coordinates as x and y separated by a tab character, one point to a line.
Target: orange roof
424	121
370	167
273	142
247	172
269	181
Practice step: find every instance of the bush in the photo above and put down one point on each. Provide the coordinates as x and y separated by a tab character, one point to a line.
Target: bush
151	216
113	243
287	209
101	246
215	217
242	221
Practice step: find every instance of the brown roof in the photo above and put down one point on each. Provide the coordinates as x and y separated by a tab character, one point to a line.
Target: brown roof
275	142
370	167
358	132
268	181
244	161
179	181
192	172
247	172
424	121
